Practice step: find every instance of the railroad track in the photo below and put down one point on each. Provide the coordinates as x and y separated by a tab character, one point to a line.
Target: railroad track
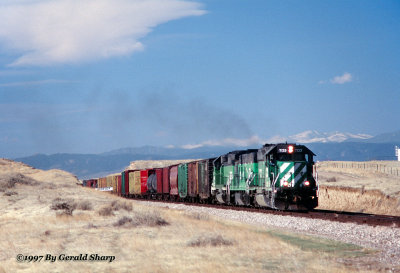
337	216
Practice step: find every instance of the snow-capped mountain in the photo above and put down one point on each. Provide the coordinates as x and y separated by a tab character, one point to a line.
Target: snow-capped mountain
317	137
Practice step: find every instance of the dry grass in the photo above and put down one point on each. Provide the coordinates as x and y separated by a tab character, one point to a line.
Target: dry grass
9	180
369	178
143	239
197	216
139	218
66	206
210	240
359	189
122	221
358	200
10	193
84	205
331	179
117	205
151	218
106	211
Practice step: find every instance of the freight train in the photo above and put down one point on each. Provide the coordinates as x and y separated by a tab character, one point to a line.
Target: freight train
278	176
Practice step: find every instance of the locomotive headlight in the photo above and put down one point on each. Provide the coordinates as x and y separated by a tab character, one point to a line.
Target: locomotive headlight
286	184
306	183
290	149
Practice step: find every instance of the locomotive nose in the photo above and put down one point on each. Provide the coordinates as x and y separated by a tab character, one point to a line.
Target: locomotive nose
292	173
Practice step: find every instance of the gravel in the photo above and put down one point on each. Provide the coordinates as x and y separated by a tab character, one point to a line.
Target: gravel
384	239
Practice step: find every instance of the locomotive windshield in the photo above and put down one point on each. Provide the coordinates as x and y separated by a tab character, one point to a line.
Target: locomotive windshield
292	157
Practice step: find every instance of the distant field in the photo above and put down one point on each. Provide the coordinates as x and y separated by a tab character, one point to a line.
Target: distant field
45	212
372	187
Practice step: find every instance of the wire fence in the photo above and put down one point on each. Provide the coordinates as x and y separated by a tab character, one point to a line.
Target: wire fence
392	168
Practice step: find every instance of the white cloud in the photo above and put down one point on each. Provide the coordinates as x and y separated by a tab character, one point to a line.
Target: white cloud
170	146
346	77
46	32
192	146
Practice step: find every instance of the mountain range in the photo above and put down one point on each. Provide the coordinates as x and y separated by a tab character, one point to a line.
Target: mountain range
317	137
327	146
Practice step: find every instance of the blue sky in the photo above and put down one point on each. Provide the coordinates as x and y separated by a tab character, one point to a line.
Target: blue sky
91	76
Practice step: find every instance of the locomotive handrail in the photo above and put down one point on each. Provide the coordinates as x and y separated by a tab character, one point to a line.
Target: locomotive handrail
273	191
250	179
228	185
316	179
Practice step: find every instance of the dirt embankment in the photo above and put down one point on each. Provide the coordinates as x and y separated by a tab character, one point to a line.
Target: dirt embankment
358	200
370	187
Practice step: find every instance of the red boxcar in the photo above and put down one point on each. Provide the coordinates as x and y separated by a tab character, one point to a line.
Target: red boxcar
92	183
166	180
173	180
143	181
159	174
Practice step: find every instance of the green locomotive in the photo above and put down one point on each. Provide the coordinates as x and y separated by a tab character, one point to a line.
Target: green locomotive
279	176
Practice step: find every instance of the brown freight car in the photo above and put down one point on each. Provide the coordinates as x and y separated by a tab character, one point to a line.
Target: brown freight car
205	173
193	188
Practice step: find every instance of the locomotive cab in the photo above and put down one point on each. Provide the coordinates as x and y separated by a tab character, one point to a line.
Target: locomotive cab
294	167
291	174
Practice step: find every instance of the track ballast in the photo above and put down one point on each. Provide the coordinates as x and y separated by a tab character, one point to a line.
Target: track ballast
330	215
